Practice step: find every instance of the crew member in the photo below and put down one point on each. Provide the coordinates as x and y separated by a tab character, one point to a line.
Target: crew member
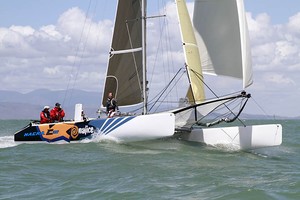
45	115
111	105
57	113
83	116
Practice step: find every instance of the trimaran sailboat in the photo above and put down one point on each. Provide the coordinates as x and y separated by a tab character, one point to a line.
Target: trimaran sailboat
216	42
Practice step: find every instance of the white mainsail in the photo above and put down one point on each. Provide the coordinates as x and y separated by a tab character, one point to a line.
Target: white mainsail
222	36
124	72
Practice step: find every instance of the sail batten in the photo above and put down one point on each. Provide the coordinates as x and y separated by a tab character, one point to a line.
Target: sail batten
126	51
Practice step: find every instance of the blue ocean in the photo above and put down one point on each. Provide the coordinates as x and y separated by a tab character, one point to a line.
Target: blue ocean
159	169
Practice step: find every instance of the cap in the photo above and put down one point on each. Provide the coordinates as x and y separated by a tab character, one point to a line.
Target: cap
46	107
57	104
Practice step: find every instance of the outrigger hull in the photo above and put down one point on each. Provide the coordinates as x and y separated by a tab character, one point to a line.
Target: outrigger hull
239	137
130	128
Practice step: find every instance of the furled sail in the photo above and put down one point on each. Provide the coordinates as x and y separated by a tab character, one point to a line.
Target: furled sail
191	52
124	72
222	35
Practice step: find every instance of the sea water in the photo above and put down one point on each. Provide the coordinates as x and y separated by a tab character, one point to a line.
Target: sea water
159	169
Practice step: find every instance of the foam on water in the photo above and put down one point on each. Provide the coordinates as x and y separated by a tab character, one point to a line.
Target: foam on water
98	138
7	141
227	147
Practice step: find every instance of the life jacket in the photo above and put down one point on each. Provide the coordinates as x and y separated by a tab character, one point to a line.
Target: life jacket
44	117
111	104
57	114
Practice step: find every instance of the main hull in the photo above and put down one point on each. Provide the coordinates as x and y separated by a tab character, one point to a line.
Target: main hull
131	128
244	138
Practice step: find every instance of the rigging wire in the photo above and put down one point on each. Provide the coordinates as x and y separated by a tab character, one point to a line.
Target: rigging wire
167	94
164	46
83	50
169	50
261	108
200	77
165	89
77	52
159	94
227	119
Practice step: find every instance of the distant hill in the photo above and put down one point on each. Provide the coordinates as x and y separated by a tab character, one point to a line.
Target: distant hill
15	105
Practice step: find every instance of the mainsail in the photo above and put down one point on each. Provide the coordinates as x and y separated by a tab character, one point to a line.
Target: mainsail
124	72
222	36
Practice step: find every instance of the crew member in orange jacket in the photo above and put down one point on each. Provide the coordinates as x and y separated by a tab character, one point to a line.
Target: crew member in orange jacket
57	113
45	115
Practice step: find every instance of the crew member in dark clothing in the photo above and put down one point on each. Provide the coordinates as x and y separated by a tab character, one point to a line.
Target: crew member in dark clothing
111	105
83	116
45	115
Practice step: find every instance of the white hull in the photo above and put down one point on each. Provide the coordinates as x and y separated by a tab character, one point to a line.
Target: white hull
244	138
145	127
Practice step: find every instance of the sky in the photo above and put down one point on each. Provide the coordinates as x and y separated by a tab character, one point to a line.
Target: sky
54	44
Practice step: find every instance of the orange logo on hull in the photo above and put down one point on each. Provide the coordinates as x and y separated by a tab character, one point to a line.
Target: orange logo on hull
60	130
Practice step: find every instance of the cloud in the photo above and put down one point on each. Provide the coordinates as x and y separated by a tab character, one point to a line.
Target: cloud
34	58
274	47
23	30
260	28
278	79
293	24
86	32
13	41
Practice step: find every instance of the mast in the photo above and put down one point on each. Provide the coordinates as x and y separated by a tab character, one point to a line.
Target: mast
145	97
